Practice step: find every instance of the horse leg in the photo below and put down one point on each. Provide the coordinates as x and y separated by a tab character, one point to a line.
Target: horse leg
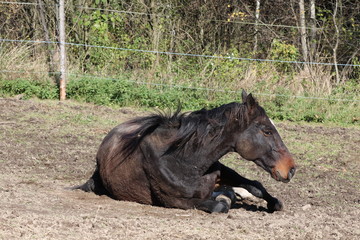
213	203
222	199
224	193
231	178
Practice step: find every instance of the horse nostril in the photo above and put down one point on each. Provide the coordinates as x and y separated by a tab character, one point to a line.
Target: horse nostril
291	173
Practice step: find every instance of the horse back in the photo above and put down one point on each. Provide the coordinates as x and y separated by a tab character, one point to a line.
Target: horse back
122	175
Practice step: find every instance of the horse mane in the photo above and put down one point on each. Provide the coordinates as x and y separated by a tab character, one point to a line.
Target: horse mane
205	124
198	125
148	124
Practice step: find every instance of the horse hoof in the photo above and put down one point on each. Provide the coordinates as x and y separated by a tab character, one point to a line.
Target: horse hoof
212	206
275	205
220	207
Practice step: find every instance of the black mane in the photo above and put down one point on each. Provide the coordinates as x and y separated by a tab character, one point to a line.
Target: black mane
204	124
199	124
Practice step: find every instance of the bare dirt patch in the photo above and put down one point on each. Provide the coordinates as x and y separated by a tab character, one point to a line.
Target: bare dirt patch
46	146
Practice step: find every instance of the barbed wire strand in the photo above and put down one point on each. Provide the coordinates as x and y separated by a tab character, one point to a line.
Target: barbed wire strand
26	71
214	89
266	24
182	54
22	3
209	20
121	11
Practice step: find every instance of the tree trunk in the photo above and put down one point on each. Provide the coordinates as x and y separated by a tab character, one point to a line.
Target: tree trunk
336	42
51	60
312	31
257	17
154	22
303	31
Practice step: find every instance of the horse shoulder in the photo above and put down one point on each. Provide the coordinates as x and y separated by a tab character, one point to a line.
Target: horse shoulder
169	170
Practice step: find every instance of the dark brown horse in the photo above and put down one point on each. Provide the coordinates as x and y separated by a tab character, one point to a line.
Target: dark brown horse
173	161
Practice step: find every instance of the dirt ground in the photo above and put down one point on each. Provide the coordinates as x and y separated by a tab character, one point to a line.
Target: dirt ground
46	146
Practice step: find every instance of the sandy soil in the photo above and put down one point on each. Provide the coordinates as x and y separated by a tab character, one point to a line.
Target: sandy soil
46	146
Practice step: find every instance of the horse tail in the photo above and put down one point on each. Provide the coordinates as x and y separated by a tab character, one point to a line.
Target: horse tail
94	184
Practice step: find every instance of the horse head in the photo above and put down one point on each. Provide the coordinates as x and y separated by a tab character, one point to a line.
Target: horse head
261	143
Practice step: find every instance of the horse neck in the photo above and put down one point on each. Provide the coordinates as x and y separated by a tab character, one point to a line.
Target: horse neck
210	152
218	141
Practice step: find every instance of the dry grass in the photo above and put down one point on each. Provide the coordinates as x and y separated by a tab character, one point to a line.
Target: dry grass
23	61
315	79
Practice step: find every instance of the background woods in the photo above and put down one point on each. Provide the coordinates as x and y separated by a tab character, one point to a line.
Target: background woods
314	44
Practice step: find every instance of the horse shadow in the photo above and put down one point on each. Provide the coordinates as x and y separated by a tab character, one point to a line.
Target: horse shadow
250	207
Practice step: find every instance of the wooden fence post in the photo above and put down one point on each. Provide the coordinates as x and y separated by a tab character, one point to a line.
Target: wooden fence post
62	82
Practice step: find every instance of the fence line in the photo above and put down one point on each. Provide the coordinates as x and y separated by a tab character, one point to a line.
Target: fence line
266	24
21	3
183	87
26	71
181	54
175	53
215	20
214	89
121	11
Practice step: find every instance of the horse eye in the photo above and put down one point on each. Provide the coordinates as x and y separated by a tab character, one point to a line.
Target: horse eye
267	133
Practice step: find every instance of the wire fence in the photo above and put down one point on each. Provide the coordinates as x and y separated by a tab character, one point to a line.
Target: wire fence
77	75
181	54
169	53
216	90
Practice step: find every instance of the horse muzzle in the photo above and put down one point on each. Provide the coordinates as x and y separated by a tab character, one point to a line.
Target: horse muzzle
284	170
279	177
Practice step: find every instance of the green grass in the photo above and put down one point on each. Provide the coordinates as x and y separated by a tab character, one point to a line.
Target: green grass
123	92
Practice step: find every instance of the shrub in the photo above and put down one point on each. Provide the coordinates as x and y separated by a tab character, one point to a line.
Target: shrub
39	89
284	52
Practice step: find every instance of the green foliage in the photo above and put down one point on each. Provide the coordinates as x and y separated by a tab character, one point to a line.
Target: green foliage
122	92
312	110
284	52
39	89
355	74
230	70
127	93
110	30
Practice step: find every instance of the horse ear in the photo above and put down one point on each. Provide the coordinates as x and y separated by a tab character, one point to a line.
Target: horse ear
244	95
250	101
